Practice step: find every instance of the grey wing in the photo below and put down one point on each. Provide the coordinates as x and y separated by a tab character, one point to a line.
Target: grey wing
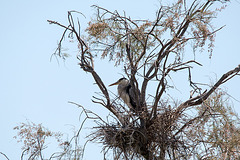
132	96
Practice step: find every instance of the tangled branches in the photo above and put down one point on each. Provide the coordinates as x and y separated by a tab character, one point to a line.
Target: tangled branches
151	51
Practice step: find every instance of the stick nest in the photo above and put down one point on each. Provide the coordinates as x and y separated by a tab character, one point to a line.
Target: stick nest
133	138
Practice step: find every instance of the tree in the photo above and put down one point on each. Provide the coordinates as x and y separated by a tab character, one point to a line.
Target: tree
34	138
151	52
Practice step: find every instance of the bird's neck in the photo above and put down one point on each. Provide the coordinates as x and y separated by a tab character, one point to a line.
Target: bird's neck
123	85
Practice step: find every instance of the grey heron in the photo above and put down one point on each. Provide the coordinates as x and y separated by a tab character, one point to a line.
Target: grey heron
126	92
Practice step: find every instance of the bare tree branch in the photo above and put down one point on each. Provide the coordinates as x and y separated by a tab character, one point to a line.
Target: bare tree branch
4	155
200	98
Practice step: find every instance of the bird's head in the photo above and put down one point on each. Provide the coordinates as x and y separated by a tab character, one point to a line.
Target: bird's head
120	81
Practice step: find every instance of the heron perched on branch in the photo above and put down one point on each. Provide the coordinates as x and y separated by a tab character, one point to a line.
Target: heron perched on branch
126	92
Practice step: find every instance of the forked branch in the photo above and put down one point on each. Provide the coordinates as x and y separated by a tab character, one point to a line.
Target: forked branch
86	62
202	97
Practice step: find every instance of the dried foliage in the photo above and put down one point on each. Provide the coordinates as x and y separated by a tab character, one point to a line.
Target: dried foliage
151	51
34	137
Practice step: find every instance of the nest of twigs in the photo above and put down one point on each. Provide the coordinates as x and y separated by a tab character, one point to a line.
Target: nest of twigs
133	138
123	138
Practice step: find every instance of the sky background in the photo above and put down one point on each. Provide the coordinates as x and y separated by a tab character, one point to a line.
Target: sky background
36	89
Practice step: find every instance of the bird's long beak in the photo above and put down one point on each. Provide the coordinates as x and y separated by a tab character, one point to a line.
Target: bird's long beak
114	84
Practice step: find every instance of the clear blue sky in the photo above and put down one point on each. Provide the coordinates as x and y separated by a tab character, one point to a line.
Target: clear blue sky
33	88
